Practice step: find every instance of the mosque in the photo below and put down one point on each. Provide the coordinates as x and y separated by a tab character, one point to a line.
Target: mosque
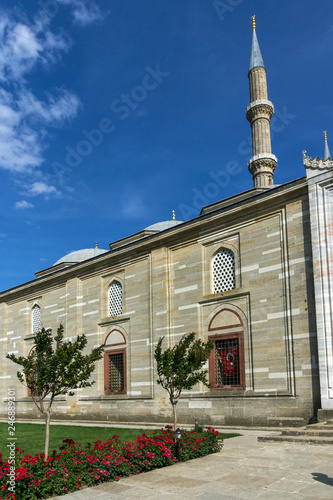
253	272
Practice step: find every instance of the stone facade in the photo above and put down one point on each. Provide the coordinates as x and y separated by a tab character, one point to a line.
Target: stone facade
167	290
320	180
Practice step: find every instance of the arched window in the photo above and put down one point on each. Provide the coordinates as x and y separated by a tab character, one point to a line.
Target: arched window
115	299
224	271
33	375
226	362
115	363
36	322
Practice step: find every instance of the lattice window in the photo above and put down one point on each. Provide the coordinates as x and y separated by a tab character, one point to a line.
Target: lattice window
115	299
224	271
36	321
116	372
227	370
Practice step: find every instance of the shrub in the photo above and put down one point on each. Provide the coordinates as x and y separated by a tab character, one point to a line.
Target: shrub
74	467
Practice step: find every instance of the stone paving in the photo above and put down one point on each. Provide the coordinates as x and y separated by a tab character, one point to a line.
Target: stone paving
245	469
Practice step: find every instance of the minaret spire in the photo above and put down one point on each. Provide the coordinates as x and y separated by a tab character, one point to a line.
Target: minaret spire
259	113
256	57
327	153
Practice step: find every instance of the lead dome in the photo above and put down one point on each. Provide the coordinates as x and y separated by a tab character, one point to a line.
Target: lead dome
161	226
80	255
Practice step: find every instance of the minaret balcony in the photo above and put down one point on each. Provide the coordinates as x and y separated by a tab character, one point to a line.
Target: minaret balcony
261	108
261	156
262	168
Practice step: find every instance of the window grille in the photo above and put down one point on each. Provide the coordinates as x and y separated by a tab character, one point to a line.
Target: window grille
224	271
115	299
34	377
116	372
35	373
227	362
36	323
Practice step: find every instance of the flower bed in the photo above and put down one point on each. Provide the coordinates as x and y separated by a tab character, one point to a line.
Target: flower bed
73	467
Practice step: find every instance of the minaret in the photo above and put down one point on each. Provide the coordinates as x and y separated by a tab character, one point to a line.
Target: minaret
327	153
259	113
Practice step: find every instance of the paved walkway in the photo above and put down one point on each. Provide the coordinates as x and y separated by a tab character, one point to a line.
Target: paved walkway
244	469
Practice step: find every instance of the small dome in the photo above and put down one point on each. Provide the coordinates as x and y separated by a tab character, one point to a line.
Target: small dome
80	255
161	226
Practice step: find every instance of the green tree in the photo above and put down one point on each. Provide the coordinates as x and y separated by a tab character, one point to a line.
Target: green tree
55	367
180	367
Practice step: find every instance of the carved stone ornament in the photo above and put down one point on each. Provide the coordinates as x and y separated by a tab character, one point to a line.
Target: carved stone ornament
262	165
260	111
316	163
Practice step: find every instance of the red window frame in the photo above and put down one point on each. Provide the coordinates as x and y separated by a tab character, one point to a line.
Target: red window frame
226	365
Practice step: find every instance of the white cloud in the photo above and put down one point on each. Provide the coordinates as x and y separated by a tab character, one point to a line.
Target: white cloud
19	49
55	109
23	46
23	204
84	12
20	150
23	117
135	207
41	188
20	146
22	126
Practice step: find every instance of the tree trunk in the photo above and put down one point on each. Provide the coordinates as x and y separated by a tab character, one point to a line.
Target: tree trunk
47	433
174	416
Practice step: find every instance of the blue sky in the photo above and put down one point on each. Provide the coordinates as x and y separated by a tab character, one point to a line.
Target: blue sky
114	113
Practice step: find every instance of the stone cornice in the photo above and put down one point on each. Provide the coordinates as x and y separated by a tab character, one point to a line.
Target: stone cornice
113	320
223	297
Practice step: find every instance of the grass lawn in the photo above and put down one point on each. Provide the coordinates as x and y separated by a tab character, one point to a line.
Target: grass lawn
30	437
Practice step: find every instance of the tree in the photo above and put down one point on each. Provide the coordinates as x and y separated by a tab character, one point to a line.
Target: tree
49	372
179	367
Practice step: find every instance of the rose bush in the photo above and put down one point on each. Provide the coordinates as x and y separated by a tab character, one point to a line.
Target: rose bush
74	467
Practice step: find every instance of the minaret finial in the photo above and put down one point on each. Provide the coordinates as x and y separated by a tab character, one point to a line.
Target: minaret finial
327	153
96	246
173	215
253	23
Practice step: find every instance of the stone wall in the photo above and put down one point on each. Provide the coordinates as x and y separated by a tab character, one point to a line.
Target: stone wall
167	291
